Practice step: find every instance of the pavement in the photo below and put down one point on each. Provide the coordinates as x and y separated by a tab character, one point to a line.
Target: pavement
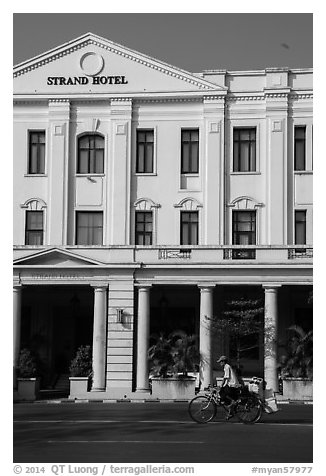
147	432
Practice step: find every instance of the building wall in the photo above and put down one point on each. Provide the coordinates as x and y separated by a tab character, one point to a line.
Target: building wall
274	189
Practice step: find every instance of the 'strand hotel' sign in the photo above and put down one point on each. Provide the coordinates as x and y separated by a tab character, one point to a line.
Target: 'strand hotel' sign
75	80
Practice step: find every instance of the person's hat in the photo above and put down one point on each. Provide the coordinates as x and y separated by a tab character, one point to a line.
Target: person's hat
223	358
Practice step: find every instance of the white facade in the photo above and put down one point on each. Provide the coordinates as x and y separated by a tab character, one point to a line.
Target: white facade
91	87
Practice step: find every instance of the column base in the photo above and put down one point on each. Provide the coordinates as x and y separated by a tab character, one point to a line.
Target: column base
98	389
142	390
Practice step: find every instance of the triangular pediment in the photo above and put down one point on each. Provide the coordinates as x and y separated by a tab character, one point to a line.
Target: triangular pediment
91	64
55	258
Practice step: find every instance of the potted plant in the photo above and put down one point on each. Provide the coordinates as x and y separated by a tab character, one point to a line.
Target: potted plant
80	372
28	375
296	368
172	359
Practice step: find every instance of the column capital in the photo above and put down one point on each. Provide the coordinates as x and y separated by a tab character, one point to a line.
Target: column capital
206	287
273	287
99	285
143	287
17	287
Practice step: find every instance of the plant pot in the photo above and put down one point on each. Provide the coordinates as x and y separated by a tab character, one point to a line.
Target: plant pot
297	388
28	388
173	388
79	386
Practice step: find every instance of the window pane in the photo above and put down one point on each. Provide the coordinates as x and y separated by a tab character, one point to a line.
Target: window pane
185	158
97	236
149	158
185	137
99	142
299	155
99	161
245	135
84	142
252	165
34	238
244	152
89	229
150	136
299	148
194	158
83	162
193	234
300	227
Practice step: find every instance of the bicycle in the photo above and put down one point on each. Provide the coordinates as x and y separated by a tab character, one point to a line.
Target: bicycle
204	408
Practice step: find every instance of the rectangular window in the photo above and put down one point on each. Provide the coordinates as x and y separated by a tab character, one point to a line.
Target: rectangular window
300	227
145	151
89	228
36	152
244	149
189	151
300	148
144	228
189	228
34	228
244	228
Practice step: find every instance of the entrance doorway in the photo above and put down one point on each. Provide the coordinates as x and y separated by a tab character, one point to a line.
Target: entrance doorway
55	321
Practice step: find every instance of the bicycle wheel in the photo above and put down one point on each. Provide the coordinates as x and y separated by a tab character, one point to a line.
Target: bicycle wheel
249	409
202	409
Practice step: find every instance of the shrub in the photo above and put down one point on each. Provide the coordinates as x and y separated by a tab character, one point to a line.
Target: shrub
174	355
28	366
298	362
81	365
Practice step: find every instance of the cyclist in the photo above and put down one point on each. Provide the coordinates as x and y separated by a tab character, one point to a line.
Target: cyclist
229	391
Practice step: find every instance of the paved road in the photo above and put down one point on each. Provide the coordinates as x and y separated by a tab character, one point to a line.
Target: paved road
155	433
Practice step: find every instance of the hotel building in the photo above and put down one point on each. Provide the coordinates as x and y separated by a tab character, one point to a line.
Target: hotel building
145	198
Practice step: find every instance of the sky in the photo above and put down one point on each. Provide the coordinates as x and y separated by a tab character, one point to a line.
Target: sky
190	41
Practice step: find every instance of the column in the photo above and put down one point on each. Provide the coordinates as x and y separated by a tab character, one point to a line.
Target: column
270	335
205	334
99	338
143	338
17	296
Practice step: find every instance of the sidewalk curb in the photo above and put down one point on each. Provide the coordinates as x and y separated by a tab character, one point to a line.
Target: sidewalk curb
145	401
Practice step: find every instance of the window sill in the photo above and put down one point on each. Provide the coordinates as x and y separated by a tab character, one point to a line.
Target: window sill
245	173
303	172
90	175
190	175
146	174
35	175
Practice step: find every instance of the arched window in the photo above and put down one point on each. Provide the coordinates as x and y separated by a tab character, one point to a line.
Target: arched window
90	154
34	221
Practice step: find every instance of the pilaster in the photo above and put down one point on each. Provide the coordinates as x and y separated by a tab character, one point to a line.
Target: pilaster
59	116
277	98
119	182
213	170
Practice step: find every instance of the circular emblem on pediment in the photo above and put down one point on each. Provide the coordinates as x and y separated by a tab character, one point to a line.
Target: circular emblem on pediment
91	63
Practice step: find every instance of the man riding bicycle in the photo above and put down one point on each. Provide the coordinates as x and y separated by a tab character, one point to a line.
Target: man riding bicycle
229	391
